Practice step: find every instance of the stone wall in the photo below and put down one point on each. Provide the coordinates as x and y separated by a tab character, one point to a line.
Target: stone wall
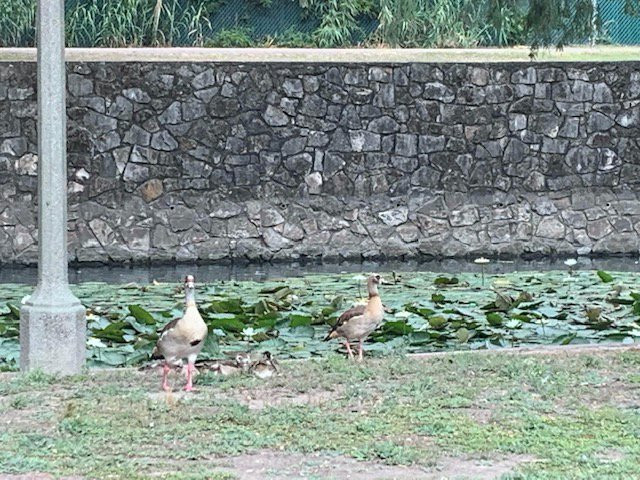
281	161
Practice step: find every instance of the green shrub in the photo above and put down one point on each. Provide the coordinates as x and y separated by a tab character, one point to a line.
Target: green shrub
339	20
238	37
110	23
450	23
17	23
290	38
506	22
121	23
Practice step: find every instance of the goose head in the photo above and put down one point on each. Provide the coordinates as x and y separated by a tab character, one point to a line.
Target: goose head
372	283
243	360
189	282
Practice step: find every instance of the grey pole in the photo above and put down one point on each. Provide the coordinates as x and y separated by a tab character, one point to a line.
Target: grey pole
52	321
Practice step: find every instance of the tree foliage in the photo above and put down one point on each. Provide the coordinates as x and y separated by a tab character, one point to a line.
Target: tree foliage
559	22
556	23
465	23
537	23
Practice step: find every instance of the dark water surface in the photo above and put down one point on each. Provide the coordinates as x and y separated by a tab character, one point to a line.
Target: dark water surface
263	271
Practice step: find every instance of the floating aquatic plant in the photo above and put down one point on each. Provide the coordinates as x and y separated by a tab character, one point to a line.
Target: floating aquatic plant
290	317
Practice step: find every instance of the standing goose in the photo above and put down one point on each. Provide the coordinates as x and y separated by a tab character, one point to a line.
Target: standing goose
182	338
358	322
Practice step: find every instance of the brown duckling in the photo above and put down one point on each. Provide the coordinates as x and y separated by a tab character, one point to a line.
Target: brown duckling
358	322
266	367
239	364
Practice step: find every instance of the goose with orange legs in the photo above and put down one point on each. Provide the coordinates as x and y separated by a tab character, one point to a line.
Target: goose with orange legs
182	338
357	323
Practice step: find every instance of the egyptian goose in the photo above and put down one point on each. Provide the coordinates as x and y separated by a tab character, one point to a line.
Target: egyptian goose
182	338
266	367
358	322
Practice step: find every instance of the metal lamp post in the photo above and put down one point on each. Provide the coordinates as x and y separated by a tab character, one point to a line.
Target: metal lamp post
52	321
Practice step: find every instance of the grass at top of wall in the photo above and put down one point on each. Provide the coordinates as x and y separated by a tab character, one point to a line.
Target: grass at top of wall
530	417
368	55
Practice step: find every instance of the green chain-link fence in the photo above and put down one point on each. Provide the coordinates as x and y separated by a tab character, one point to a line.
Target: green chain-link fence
279	17
619	27
272	22
282	16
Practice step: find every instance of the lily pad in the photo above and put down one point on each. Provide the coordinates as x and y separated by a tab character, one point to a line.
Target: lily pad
291	316
494	319
141	315
604	276
437	321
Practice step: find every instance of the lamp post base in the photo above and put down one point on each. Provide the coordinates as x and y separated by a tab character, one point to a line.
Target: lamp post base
52	338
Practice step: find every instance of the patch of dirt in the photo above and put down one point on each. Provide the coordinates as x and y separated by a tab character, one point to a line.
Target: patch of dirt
613	392
363	404
424	442
173	397
259	400
270	465
23	420
478	469
610	456
256	398
477	414
35	476
28	417
616	393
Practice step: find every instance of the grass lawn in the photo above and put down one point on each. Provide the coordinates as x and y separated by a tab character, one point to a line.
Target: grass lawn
600	53
467	415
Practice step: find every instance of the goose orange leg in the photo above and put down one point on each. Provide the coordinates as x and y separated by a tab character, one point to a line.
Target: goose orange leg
349	351
165	374
360	356
189	386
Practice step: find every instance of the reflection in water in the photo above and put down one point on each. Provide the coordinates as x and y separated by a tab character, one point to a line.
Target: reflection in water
263	271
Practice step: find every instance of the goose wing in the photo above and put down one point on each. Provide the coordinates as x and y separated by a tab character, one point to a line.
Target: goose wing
356	311
165	335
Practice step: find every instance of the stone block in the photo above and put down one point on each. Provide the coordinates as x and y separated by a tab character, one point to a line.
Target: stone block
52	334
